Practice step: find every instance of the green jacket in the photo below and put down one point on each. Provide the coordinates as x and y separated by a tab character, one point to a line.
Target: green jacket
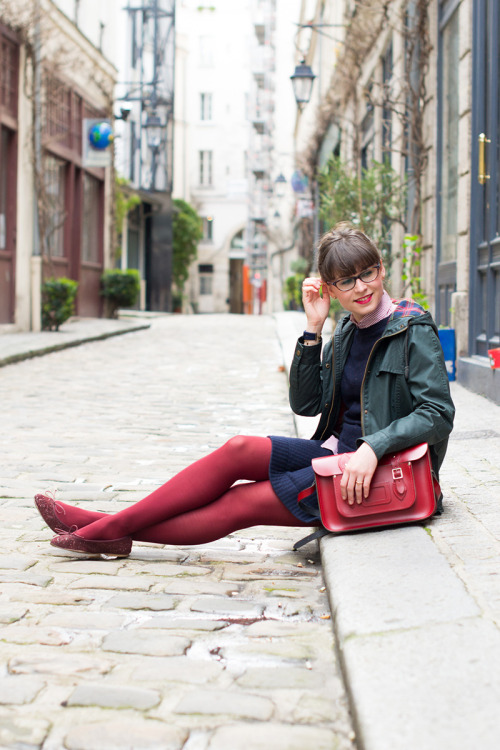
405	394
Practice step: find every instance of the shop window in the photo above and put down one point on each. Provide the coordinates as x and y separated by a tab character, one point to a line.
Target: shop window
55	204
91	220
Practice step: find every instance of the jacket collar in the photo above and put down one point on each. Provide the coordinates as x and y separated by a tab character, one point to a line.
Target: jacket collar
406	311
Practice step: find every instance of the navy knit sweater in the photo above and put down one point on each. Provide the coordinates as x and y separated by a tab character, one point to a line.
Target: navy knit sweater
350	385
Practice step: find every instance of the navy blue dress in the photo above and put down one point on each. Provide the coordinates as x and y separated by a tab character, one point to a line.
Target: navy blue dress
290	469
290	472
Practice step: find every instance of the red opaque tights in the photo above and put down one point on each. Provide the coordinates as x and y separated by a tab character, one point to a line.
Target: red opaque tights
202	502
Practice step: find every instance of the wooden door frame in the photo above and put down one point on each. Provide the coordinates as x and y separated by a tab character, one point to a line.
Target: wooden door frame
445	273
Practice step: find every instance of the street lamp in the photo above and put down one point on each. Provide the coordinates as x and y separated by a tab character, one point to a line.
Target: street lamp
302	82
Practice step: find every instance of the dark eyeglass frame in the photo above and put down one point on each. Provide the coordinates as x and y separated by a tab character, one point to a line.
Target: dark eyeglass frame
355	278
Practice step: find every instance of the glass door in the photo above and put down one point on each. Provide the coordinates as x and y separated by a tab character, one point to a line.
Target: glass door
485	194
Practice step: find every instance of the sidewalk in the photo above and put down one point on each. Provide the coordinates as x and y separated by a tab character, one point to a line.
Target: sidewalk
15	347
417	610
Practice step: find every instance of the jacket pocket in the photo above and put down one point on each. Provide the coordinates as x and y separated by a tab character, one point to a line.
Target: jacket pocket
391	381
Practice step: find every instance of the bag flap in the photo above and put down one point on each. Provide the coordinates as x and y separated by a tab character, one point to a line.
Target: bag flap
410	454
328	466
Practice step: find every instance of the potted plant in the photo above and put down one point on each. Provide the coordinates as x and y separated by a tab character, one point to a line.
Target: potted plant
58	302
120	289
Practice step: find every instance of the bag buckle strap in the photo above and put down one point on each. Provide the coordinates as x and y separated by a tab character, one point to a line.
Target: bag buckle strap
399	488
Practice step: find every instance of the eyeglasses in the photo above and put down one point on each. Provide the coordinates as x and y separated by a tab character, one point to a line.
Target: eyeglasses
345	285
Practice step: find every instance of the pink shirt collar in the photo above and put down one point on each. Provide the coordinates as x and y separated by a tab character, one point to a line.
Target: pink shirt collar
383	310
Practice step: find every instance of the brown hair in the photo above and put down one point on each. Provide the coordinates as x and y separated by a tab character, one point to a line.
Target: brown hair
345	251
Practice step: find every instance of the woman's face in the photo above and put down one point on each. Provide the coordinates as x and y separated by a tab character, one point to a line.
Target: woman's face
363	298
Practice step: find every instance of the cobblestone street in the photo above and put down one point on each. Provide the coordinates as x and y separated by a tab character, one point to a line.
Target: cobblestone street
218	647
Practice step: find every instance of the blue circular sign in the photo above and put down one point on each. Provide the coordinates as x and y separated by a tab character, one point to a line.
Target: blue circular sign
101	135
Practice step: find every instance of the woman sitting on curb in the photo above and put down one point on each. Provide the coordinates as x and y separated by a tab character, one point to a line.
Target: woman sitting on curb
380	386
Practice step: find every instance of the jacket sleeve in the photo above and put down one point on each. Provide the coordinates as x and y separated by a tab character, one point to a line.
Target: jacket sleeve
430	415
306	380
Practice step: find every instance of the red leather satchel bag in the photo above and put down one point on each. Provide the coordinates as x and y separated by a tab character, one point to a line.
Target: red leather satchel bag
402	490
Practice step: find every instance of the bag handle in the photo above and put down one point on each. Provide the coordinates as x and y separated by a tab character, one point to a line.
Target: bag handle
315	535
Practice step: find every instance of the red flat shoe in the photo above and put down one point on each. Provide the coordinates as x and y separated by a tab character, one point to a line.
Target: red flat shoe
93	547
47	508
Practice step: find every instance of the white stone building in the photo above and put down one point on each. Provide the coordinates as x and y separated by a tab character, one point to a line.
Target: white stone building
234	115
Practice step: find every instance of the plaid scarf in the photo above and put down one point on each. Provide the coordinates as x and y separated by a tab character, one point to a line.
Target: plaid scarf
385	307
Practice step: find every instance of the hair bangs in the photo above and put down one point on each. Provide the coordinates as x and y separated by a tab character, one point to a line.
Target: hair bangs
344	252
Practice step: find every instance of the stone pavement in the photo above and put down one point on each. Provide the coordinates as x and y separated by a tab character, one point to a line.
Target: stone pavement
230	645
215	647
17	346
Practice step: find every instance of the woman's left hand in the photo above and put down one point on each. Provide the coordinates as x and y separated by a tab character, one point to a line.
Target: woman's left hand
358	473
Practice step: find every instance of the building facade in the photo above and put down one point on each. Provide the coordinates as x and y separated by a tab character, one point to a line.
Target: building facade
55	211
415	82
144	125
211	137
233	139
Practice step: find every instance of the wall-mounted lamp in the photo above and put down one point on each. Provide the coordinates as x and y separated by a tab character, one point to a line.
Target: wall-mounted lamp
302	82
154	131
279	184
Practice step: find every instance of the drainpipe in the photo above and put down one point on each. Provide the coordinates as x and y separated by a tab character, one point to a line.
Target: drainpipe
36	260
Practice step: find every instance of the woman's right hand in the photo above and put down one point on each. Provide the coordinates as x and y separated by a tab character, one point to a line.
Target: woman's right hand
316	307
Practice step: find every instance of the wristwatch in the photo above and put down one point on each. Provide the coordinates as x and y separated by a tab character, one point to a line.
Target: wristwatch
308	336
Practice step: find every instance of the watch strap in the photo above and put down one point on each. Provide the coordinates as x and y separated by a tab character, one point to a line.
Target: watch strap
308	336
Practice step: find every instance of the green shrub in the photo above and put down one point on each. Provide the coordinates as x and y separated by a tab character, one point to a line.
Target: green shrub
58	302
120	288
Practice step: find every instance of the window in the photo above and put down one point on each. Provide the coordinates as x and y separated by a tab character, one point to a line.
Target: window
386	109
208	224
132	151
133	35
205	168
206	48
58	114
206	272
91	220
367	132
449	137
9	61
205	107
4	148
55	202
